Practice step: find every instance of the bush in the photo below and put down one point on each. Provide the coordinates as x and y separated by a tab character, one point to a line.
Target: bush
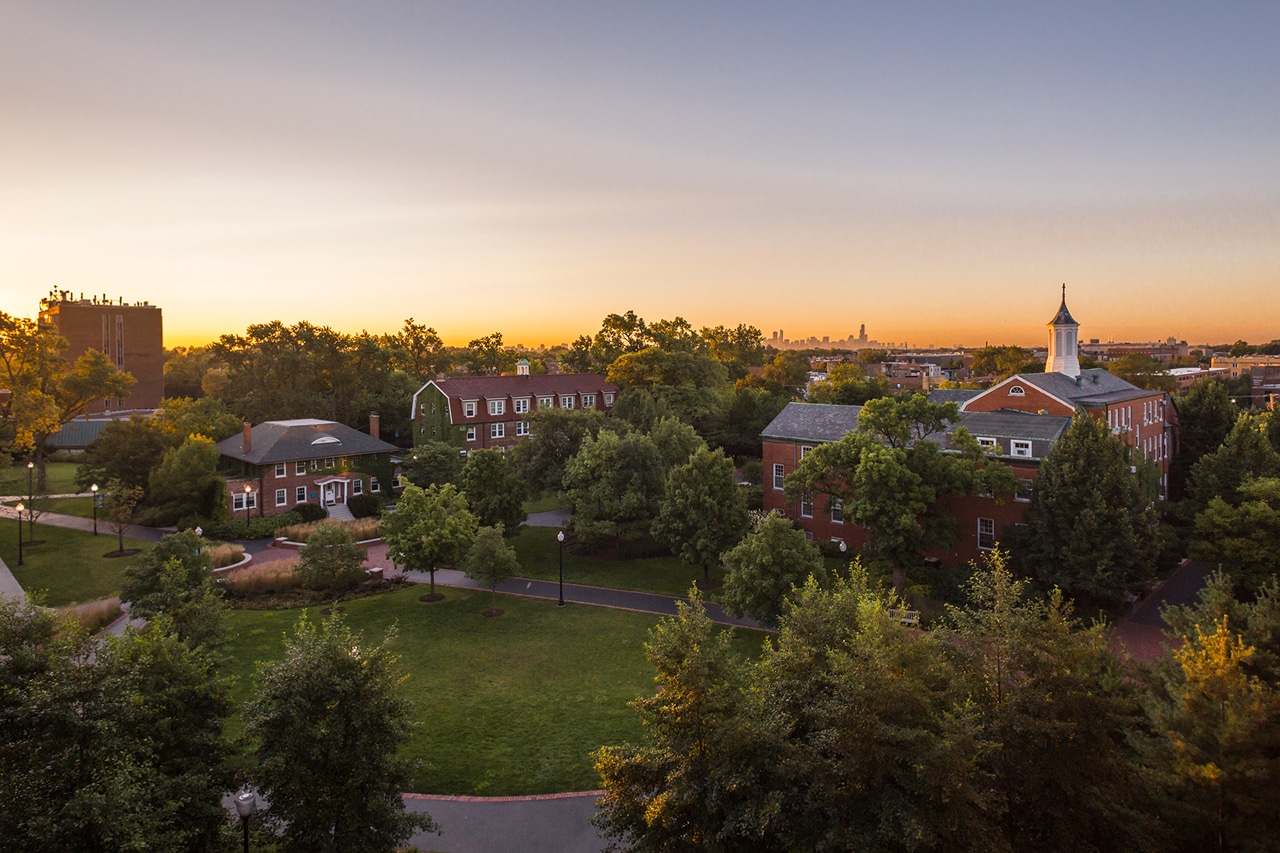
257	528
310	512
93	615
266	578
753	471
364	506
361	529
331	559
224	554
754	496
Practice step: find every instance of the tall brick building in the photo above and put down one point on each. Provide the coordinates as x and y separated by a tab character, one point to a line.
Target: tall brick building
131	335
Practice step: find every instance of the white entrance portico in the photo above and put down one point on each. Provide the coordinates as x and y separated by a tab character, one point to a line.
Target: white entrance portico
333	490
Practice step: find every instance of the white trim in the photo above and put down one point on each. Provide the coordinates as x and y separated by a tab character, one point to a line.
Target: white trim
300	494
520	405
498	430
991	523
281	468
497	407
1020	447
1022	380
282	497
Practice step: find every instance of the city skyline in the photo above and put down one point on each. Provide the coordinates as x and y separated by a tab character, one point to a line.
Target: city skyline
932	172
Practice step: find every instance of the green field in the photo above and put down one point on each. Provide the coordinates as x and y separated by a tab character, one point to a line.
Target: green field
60	479
506	706
68	565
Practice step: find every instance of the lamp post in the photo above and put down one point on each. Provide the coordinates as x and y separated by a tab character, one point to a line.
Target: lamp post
94	489
247	490
31	502
843	565
560	539
199	531
246	802
19	509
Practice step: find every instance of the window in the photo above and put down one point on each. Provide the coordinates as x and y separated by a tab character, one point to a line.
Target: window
804	451
469	409
588	401
497	407
282	497
986	533
1021	448
374	485
300	468
522	427
328	462
471	433
357	487
837	511
1022	491
988	444
240	500
566	401
300	495
608	398
521	406
779	475
806	506
315	464
808	535
1017	391
497	430
546	402
280	469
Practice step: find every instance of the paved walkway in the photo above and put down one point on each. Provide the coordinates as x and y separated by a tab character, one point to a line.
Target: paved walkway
558	823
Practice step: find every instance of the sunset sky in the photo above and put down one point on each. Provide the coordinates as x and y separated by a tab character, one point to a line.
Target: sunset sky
933	170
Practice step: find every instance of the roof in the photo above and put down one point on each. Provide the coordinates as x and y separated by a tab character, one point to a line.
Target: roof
1011	423
77	434
952	395
481	387
1063	317
304	438
1095	387
813	422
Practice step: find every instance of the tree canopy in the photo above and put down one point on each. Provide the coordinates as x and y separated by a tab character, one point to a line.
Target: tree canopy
766	566
702	511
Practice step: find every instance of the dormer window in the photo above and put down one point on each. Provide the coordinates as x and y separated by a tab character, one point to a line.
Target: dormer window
469	409
326	439
1017	391
497	407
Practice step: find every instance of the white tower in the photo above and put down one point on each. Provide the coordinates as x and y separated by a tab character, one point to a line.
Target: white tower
1064	342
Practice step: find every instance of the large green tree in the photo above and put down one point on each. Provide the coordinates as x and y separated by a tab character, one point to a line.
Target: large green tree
1144	371
331	559
766	566
849	385
186	482
495	492
490	560
208	416
702	512
1090	528
429	528
1205	417
692	386
555	437
126	451
1244	455
1004	361
329	722
614	485
432	463
1242	540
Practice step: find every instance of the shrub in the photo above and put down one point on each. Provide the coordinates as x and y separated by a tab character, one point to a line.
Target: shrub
224	554
360	530
310	512
753	471
364	506
268	577
257	528
93	615
331	559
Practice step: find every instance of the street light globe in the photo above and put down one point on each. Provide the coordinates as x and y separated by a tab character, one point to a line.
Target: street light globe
31	464
843	547
247	488
560	536
19	507
246	802
94	488
199	531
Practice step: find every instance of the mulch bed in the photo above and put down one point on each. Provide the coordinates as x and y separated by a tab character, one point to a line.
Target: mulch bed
431	596
127	552
706	585
492	613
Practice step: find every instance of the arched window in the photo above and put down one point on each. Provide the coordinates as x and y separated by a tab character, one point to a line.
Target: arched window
1017	391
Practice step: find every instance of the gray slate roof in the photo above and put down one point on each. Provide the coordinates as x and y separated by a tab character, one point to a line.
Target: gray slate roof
1010	423
305	438
953	395
1095	387
813	422
1063	315
76	435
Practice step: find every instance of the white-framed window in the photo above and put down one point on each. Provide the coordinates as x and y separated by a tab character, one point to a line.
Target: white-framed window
300	495
469	409
588	401
608	398
520	405
241	500
315	464
497	407
357	487
546	402
1017	447
471	433
374	485
837	511
806	506
566	401
328	462
280	469
282	497
1022	489
497	430
779	475
1017	391
522	427
988	444
300	468
986	533
804	450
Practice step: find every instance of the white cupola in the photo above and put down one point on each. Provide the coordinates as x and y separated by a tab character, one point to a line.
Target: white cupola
1064	342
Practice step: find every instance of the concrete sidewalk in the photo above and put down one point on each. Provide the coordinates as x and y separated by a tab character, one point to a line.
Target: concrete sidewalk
556	823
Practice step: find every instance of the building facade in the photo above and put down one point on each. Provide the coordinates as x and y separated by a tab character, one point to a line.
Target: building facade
131	335
273	467
476	412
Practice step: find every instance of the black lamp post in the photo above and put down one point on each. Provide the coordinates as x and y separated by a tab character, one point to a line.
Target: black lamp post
31	502
246	802
19	509
247	490
843	565
560	539
94	489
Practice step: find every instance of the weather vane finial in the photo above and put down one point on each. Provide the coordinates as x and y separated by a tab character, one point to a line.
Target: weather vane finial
1064	292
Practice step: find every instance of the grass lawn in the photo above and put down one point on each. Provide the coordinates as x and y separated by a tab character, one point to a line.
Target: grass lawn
82	507
546	503
60	479
68	564
538	553
507	706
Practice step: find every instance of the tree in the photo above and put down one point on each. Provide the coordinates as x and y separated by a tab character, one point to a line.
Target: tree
1090	529
495	493
186	481
1205	417
676	441
1244	455
432	463
690	385
418	350
120	503
108	744
180	417
1143	371
640	409
1002	362
766	566
124	451
430	527
331	559
1241	540
487	357
702	512
491	561
175	579
849	385
614	484
555	437
328	722
737	427
893	480
1059	718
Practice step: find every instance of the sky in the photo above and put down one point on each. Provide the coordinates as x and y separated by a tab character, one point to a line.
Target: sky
934	170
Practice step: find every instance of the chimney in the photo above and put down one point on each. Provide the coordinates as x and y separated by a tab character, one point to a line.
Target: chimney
374	426
248	438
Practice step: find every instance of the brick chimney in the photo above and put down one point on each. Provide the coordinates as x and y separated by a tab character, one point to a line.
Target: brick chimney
374	426
248	438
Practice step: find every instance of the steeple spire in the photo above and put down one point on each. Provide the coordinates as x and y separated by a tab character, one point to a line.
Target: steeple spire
1064	355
